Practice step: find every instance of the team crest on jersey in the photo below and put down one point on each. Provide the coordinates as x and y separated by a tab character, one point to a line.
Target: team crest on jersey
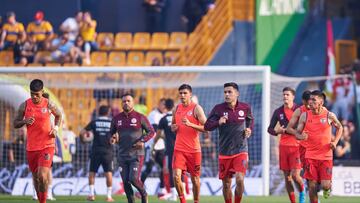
133	120
323	120
241	113
281	116
44	110
119	122
189	113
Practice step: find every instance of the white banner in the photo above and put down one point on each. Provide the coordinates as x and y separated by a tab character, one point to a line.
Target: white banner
79	186
346	181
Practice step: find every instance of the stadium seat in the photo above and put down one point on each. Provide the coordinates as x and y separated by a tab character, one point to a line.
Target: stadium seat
135	58
159	41
141	41
123	41
35	64
151	55
177	40
105	40
171	54
99	58
117	58
6	58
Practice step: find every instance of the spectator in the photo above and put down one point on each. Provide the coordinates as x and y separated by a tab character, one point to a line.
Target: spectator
153	13
88	33
140	106
17	148
11	32
343	97
168	61
77	53
72	25
40	30
61	50
24	53
156	62
193	10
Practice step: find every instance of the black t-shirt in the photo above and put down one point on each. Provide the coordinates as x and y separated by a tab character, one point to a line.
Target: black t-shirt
101	129
170	136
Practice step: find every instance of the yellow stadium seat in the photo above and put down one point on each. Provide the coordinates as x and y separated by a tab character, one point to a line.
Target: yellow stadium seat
123	41
117	58
105	40
151	55
177	40
172	56
135	58
6	58
141	41
99	58
159	40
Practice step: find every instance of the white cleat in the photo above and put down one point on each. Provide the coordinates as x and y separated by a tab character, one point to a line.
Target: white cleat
51	198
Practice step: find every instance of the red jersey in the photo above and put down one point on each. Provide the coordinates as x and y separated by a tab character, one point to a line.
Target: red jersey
286	139
318	129
302	110
187	138
38	134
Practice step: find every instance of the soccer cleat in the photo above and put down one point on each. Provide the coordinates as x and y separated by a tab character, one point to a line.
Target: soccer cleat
109	199
189	196
34	197
302	197
90	198
51	198
326	193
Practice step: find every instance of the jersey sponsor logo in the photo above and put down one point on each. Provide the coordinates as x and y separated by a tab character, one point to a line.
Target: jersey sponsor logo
135	169
119	123
281	116
226	114
189	113
44	110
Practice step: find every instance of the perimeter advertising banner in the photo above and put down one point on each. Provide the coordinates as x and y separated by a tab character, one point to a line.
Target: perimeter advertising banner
277	22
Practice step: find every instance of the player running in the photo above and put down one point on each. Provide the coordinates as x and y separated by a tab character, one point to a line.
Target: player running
289	156
315	127
131	129
235	122
102	152
187	121
35	114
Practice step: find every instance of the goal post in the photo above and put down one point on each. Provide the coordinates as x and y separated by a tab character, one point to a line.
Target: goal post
155	82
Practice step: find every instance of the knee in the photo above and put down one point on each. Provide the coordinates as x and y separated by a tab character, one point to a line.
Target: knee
240	181
294	176
326	185
177	177
42	178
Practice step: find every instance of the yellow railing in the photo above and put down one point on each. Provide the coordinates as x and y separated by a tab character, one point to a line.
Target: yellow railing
213	29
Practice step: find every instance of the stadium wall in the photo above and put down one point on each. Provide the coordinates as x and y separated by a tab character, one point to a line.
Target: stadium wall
239	47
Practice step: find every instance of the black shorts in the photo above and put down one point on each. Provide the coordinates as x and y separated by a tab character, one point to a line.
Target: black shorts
105	160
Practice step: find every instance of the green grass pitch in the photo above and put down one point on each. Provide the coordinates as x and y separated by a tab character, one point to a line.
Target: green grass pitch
152	199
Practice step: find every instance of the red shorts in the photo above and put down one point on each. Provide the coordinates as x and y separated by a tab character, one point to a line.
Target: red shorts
318	170
190	162
229	166
41	158
289	158
302	151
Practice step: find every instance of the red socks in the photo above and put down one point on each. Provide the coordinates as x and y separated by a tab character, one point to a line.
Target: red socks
292	197
228	200
238	199
302	187
315	201
196	201
42	197
182	199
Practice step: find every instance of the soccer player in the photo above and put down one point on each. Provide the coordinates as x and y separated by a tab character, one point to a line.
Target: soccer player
291	127
164	131
131	129
35	114
187	121
235	122
289	156
315	127
102	152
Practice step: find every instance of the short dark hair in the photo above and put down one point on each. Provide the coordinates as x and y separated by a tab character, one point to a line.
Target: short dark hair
103	110
289	89
36	85
319	94
306	95
46	95
232	84
127	94
185	87
169	104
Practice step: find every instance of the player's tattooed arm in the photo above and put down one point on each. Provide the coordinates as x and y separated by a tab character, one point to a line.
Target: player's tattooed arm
20	121
290	129
339	129
300	135
58	118
200	115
